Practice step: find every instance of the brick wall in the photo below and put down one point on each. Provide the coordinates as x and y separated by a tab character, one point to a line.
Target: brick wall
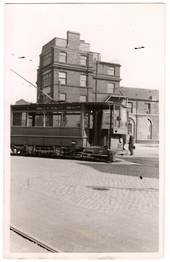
141	107
103	69
146	124
74	48
147	128
73	40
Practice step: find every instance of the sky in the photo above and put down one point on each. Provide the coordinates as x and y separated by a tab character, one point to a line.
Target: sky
113	30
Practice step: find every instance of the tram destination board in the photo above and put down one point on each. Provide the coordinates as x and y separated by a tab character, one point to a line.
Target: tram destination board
46	107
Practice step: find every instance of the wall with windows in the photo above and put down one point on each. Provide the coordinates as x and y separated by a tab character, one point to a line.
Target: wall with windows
46	79
143	107
46	58
73	57
83	60
76	67
72	93
108	69
62	57
144	120
105	87
73	84
70	78
147	107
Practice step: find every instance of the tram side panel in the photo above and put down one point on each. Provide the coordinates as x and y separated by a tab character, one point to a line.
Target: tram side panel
58	142
31	137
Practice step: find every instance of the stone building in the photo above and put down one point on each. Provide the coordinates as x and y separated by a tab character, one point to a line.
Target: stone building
70	72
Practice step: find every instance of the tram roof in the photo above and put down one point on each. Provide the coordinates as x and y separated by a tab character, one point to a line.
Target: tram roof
64	106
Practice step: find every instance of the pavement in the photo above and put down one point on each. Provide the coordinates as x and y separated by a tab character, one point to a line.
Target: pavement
143	150
82	206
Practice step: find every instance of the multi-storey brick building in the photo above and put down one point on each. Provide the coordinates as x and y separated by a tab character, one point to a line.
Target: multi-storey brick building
70	72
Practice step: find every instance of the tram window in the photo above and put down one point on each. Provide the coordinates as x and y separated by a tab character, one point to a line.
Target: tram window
117	116
17	119
72	120
24	119
49	120
38	120
30	120
66	120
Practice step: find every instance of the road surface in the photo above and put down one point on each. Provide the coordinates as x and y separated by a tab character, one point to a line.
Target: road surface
79	206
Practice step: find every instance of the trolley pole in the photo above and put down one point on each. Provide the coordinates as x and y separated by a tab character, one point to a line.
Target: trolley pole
82	125
110	127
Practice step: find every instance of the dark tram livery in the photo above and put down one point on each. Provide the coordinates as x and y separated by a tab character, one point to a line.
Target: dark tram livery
85	130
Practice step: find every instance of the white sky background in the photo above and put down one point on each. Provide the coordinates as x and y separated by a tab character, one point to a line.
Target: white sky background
111	29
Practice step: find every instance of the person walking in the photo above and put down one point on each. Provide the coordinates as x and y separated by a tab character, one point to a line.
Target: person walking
124	142
131	144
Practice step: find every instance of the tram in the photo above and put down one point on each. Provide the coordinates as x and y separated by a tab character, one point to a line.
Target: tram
84	130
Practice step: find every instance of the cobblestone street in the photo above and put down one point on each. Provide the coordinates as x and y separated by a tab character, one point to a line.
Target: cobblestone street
80	206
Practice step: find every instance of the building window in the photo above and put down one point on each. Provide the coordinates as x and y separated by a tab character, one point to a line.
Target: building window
46	80
82	98
130	107
110	88
148	108
83	80
46	58
62	97
83	60
111	71
62	57
62	78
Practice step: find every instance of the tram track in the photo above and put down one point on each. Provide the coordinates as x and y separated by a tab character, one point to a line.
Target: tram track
33	240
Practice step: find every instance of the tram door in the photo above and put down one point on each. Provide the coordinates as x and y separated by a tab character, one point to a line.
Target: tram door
97	126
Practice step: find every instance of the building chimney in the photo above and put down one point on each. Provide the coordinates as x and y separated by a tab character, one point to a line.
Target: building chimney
73	39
